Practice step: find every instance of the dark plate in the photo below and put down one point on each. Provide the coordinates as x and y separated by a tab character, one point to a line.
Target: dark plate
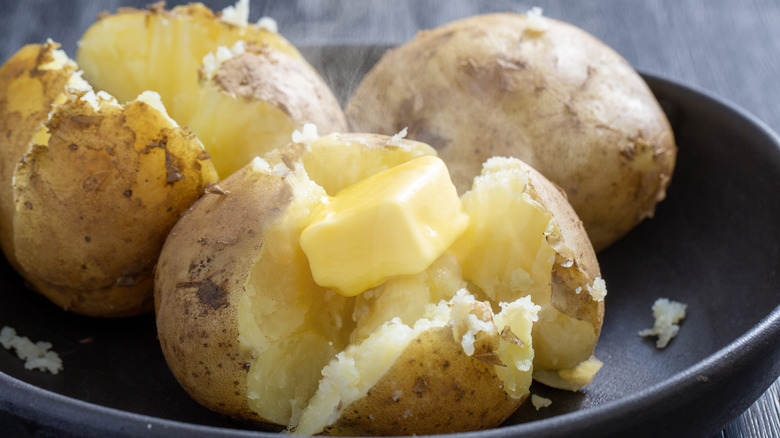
713	244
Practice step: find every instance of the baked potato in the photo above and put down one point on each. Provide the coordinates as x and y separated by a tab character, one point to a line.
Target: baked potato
119	176
241	87
251	327
535	88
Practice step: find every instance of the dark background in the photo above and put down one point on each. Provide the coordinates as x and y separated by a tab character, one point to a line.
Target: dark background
730	48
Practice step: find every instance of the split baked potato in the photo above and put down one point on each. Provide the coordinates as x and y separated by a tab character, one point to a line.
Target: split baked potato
251	329
241	87
535	88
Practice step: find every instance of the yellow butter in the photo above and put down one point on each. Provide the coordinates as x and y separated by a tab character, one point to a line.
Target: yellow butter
395	222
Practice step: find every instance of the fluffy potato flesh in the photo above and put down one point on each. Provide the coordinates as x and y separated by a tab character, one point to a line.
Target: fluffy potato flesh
547	93
162	50
243	89
95	197
563	338
442	350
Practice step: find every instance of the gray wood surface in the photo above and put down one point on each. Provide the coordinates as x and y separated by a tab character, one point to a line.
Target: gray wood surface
730	48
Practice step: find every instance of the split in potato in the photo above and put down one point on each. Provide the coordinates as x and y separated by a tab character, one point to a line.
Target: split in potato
533	88
414	354
242	88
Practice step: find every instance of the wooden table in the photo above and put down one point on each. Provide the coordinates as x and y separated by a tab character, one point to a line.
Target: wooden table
729	48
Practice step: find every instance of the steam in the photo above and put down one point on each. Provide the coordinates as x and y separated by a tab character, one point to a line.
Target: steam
357	33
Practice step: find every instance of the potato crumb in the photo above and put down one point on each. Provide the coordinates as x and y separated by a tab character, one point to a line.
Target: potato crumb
268	24
280	170
35	355
238	14
463	320
104	96
667	314
395	140
215	189
212	61
540	402
260	165
91	98
537	22
151	98
598	290
467	342
397	394
59	58
307	135
77	84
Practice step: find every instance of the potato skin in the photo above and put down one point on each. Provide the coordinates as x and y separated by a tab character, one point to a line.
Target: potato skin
573	245
560	100
432	388
119	177
22	80
571	316
253	103
200	277
288	83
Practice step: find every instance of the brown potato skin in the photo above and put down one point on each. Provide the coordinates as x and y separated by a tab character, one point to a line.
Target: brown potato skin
290	84
573	245
282	93
442	391
560	100
94	205
199	279
16	129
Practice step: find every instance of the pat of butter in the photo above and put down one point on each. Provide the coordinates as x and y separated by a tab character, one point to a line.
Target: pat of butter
396	222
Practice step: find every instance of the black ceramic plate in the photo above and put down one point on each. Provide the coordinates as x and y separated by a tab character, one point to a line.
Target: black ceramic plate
713	244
